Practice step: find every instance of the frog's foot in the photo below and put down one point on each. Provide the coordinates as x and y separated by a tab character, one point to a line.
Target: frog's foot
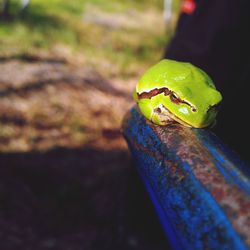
163	116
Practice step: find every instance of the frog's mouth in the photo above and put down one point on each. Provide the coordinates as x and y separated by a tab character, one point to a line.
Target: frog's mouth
167	92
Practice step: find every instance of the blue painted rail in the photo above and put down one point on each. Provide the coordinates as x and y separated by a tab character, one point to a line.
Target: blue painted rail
199	187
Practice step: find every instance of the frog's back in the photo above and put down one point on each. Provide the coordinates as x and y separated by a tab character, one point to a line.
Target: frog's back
173	74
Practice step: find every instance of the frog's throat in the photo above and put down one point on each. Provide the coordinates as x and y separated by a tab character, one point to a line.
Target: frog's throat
167	92
166	117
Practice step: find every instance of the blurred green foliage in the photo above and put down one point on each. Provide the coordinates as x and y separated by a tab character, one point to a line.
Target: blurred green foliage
127	34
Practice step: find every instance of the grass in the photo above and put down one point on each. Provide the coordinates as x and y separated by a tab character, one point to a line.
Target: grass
118	37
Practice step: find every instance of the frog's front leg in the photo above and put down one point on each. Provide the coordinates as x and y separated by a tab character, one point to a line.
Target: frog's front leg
154	111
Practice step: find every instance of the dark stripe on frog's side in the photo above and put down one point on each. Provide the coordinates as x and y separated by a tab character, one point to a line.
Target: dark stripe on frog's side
166	91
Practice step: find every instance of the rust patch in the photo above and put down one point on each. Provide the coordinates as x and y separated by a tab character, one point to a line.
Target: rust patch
218	193
175	170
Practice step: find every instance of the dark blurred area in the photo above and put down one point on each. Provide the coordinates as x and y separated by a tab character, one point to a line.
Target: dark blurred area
75	199
214	35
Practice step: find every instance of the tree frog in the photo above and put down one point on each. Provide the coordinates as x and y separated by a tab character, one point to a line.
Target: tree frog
179	91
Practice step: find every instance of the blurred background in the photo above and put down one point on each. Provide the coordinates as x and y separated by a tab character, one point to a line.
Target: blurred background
67	70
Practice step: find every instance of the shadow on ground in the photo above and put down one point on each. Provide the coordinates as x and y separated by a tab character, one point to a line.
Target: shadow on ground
74	199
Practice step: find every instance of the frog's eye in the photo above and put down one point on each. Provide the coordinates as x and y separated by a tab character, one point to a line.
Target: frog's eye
174	98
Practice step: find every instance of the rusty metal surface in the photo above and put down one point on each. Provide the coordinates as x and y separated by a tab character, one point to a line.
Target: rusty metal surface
200	189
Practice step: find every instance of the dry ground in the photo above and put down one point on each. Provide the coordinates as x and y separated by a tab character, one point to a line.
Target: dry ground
48	103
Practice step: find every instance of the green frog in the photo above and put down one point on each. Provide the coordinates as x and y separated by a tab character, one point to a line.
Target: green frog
177	91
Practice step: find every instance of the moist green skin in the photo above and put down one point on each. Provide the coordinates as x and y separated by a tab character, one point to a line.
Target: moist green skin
179	90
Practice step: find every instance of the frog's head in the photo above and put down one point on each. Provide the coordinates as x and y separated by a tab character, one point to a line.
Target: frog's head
178	90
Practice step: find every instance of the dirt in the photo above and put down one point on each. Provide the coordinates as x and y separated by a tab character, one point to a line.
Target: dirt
67	180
